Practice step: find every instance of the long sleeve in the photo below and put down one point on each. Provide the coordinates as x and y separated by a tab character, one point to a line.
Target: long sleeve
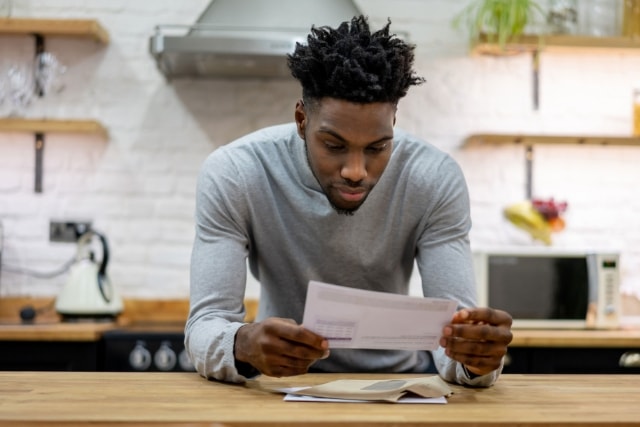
218	271
445	263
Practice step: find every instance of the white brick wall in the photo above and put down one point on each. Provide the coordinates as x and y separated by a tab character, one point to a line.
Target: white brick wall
138	186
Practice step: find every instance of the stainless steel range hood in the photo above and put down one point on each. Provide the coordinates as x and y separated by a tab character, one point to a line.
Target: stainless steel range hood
243	38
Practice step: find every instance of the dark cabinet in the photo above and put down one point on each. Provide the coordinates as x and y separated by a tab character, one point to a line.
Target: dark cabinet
573	360
49	356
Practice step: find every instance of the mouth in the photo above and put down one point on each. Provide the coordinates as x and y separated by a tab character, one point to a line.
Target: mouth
351	194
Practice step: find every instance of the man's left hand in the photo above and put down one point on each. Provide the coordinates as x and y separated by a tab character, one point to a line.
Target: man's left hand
478	338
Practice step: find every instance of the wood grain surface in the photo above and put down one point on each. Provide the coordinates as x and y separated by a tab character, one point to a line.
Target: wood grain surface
167	315
83	28
185	399
171	314
576	338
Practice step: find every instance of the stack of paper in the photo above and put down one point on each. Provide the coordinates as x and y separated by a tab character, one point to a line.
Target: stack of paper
430	389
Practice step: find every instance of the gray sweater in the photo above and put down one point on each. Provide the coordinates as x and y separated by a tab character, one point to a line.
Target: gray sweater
258	199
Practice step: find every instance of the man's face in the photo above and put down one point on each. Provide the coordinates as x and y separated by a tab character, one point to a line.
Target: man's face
348	147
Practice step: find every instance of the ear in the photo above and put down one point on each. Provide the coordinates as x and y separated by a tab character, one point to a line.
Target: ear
300	117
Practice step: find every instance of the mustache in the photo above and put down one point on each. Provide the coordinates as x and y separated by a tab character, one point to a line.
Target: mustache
353	184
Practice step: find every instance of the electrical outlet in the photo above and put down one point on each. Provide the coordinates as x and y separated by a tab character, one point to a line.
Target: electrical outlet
67	231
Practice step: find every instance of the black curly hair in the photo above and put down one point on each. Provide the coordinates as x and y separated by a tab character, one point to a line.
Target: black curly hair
353	64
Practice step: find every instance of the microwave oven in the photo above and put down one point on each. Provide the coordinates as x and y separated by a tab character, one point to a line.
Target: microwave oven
550	288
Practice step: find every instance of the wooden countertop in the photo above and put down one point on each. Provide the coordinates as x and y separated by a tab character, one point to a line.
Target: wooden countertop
576	338
148	315
170	315
54	331
60	331
185	399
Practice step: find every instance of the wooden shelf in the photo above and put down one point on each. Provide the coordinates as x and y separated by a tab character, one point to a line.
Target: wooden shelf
51	125
556	42
39	127
39	29
81	28
480	139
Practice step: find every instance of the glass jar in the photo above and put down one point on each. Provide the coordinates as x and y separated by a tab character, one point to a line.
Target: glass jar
562	16
631	18
601	18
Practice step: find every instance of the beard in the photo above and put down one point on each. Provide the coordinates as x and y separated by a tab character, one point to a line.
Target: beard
342	211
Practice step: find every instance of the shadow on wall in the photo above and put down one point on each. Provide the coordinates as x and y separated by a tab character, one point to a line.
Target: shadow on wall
225	109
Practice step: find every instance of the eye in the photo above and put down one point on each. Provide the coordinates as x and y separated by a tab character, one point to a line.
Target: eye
378	148
331	146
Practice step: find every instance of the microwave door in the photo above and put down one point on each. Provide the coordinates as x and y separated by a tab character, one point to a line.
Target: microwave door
539	291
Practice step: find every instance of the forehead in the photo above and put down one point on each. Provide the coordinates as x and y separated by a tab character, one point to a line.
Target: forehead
374	119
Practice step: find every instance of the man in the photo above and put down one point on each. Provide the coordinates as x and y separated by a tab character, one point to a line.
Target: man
340	197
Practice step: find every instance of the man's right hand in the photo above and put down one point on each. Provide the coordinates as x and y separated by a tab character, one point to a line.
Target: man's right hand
279	347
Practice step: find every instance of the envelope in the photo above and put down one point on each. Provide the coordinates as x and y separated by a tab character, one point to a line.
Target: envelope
389	390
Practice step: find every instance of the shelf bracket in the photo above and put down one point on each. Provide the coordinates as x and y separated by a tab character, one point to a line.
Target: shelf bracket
528	156
39	161
39	38
535	64
39	136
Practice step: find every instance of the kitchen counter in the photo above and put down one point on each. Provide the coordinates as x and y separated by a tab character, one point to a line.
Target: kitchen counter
576	338
147	315
54	331
170	315
186	399
47	344
92	331
150	315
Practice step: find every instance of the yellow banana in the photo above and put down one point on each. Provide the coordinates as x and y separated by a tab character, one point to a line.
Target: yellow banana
523	215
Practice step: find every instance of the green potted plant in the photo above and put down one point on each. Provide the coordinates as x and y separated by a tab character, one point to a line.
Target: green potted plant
498	21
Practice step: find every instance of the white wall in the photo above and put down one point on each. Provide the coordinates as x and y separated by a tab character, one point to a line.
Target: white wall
138	186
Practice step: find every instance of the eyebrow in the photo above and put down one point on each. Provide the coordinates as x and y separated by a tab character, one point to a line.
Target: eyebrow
339	137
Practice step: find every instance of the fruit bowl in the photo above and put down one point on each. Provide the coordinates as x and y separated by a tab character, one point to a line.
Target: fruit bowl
538	217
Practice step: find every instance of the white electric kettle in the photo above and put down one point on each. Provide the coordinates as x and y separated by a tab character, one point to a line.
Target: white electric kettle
88	292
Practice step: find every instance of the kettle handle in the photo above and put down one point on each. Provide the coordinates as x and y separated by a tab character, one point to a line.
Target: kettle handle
102	270
103	281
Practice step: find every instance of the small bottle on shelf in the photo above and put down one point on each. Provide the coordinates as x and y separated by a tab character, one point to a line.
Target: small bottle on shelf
631	18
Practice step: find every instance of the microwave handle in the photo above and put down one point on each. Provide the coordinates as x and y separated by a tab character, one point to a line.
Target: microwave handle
630	360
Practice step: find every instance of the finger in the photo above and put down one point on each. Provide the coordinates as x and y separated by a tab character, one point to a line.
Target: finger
289	330
488	315
280	358
482	357
284	371
481	364
475	347
293	341
478	332
301	352
283	365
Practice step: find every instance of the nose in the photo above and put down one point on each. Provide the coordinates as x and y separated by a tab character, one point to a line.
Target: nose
354	168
